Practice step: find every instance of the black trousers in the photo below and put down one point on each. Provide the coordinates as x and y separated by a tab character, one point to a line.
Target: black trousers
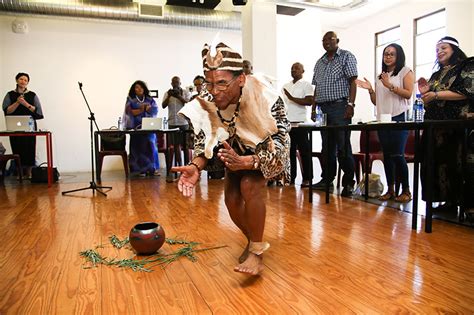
300	141
26	148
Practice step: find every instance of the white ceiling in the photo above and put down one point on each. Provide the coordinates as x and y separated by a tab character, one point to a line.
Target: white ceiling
330	18
344	19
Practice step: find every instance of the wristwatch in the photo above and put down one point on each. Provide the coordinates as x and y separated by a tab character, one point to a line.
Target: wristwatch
392	88
255	162
351	104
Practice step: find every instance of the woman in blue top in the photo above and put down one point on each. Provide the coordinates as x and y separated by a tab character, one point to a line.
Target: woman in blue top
143	156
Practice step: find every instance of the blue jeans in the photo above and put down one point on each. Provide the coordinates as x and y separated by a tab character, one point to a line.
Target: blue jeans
338	143
393	146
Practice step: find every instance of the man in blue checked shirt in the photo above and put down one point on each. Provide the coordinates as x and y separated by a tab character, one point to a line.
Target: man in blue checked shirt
335	91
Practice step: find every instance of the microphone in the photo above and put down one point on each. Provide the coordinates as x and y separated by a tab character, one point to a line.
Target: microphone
80	85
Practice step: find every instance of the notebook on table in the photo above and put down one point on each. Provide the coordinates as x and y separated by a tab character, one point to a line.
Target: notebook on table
18	123
150	123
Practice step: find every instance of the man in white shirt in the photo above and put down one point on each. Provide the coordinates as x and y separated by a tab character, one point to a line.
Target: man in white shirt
298	96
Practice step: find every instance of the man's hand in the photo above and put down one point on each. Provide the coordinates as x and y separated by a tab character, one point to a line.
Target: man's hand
290	97
172	92
188	179
232	160
349	112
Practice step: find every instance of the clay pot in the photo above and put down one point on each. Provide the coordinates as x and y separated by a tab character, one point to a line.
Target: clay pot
147	237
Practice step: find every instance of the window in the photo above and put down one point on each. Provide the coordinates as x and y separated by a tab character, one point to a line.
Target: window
429	29
382	39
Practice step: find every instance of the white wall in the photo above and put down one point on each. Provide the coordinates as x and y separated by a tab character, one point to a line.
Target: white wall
107	57
258	36
298	40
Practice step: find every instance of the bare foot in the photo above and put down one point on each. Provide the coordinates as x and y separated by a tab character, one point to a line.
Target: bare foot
253	265
245	253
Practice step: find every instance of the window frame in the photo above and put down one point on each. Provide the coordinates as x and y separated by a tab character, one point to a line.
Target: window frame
376	46
416	34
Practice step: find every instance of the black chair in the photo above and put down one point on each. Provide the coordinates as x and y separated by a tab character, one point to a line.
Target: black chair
108	152
4	158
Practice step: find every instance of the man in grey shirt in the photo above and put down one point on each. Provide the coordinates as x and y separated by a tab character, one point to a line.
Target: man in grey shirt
174	99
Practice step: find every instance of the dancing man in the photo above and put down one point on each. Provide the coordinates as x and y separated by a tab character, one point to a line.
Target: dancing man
241	124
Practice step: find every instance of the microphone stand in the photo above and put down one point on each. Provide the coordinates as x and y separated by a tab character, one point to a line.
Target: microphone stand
92	184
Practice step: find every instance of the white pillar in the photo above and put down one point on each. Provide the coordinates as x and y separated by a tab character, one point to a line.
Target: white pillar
259	38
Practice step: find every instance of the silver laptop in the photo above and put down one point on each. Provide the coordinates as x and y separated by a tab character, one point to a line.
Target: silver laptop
18	123
150	123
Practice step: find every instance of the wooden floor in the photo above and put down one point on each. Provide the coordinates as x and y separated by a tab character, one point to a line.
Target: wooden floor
346	257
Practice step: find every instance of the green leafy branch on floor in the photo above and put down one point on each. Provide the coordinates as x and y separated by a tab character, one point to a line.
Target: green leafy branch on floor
117	243
93	258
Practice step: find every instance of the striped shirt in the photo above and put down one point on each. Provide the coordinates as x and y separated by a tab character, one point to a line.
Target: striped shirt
331	77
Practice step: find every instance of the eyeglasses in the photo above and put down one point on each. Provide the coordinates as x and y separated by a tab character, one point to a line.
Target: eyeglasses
389	55
220	86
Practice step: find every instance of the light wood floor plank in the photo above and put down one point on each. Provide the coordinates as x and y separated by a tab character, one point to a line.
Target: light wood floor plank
345	257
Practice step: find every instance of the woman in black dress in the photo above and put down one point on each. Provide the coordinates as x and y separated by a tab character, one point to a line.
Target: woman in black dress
448	95
22	102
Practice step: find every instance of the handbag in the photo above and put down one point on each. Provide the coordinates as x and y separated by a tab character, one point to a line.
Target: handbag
112	141
39	174
375	186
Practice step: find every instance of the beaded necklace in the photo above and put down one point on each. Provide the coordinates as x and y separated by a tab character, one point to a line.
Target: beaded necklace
140	101
230	123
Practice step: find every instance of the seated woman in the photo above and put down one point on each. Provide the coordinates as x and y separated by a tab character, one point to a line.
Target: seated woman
392	94
22	102
143	155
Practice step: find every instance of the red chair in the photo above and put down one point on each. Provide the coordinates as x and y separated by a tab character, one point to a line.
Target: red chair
4	158
375	150
163	148
377	154
410	147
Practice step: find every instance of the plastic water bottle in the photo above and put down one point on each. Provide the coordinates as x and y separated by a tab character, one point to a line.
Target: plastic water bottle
165	123
409	115
319	116
31	124
119	123
418	109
